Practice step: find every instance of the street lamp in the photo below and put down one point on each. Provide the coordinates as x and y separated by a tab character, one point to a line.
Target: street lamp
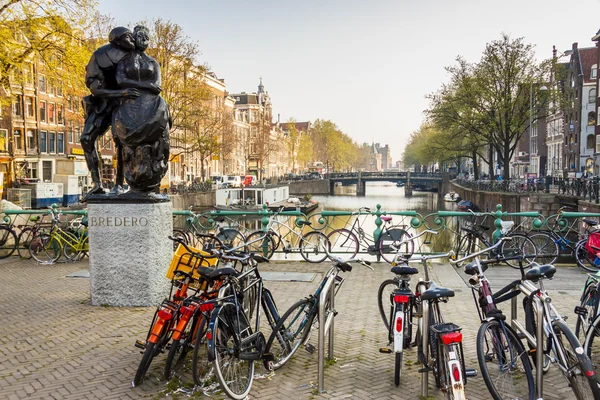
541	89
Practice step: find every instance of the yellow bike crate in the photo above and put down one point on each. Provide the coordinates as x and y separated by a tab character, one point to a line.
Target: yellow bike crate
185	261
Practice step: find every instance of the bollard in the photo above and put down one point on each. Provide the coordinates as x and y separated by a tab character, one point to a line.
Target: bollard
325	322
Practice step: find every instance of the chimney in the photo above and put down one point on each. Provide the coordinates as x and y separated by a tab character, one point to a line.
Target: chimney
277	118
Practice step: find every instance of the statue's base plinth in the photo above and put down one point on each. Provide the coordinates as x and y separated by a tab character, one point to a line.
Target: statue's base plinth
129	252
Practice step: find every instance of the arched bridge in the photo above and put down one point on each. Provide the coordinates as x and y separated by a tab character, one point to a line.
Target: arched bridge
411	180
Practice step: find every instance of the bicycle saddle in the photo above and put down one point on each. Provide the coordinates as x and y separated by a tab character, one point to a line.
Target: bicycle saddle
471	268
590	222
538	272
386	218
435	292
404	270
214	274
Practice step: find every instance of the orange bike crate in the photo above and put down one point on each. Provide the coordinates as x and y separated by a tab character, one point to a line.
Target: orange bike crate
184	261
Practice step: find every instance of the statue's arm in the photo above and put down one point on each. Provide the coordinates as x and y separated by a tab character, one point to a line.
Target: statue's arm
94	80
125	82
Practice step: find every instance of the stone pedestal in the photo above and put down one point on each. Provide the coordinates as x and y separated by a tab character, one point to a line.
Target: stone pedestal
129	252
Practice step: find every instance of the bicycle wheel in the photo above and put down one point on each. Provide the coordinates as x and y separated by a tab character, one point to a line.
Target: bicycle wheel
468	244
234	375
179	349
546	247
393	237
585	259
313	246
519	245
24	239
291	331
8	241
504	364
202	369
183	235
44	248
343	241
232	239
579	370
149	354
589	304
258	243
531	323
384	300
206	242
72	254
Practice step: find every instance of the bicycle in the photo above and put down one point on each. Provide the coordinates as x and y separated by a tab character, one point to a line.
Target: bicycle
475	239
349	241
501	356
46	248
229	236
587	310
293	242
587	249
395	295
297	323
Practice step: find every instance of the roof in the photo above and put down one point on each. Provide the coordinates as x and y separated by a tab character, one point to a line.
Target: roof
589	57
300	126
245	98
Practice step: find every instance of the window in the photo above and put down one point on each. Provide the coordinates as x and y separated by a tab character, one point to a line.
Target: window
59	88
592	96
51	86
42	84
52	142
30	139
51	113
32	171
591	118
29	106
108	144
43	142
3	140
47	171
18	143
60	143
70	134
28	71
17	105
78	134
60	114
594	71
43	111
590	141
598	144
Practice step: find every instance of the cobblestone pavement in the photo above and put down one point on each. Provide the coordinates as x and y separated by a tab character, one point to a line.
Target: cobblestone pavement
55	345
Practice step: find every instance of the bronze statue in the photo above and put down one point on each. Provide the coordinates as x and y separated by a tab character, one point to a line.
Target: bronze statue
141	124
125	86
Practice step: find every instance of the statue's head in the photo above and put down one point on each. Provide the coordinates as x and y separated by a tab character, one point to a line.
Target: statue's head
121	37
141	35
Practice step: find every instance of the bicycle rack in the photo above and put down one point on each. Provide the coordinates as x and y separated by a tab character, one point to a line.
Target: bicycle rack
425	340
325	326
538	340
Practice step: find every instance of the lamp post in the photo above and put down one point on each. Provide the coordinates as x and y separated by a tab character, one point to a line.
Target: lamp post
541	89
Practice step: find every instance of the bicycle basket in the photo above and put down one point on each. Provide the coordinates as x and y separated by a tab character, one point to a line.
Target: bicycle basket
185	261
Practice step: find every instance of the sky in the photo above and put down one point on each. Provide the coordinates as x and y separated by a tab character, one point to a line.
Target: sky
365	65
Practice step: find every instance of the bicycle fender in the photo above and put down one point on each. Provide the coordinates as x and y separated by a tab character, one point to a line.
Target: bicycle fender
210	341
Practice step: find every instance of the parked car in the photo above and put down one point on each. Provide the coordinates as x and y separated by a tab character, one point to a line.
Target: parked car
234	181
219	181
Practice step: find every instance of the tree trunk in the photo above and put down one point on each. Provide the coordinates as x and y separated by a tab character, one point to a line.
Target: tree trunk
475	166
491	161
506	160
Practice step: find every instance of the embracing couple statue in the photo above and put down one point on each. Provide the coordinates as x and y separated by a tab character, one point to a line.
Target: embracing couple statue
125	86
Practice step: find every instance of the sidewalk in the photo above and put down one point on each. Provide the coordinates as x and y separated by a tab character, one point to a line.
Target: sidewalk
55	345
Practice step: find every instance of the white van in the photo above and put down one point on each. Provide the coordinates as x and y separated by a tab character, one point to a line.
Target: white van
234	181
219	181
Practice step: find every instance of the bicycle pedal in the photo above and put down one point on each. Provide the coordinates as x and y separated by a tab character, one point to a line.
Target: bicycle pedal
268	357
427	242
140	344
385	350
531	352
470	372
309	348
581	311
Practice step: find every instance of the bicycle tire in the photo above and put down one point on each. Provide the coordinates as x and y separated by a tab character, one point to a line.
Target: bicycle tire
492	351
394	236
183	235
589	301
287	337
343	241
265	247
520	244
206	242
179	349
140	374
232	238
201	368
75	255
584	258
44	248
311	247
582	377
8	241
384	300
226	364
546	247
23	240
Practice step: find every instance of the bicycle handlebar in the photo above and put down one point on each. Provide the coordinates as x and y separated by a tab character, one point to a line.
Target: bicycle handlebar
410	239
469	256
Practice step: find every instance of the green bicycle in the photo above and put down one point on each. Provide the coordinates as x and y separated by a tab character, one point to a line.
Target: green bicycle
73	244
